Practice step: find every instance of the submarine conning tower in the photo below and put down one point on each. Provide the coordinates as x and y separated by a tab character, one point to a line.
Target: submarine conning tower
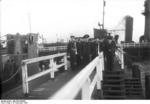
146	13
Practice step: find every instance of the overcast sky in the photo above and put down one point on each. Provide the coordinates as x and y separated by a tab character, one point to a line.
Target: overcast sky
65	17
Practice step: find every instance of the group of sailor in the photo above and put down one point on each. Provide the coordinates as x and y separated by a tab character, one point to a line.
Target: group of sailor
83	50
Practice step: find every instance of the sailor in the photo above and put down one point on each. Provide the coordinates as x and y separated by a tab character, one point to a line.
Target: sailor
86	49
92	48
79	49
109	52
116	38
81	53
72	52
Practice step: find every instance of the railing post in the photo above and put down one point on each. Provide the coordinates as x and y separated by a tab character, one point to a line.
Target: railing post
24	79
51	65
119	56
98	73
122	59
86	90
101	72
65	61
98	49
102	61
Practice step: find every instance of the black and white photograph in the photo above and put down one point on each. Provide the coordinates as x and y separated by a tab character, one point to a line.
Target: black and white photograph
53	50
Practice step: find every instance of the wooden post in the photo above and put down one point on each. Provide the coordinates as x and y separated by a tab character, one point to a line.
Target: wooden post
102	61
52	74
101	73
98	49
86	90
122	59
24	79
102	69
54	67
27	84
98	73
65	61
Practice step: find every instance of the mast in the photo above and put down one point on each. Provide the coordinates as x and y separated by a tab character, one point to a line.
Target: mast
0	24
104	3
29	20
0	44
29	16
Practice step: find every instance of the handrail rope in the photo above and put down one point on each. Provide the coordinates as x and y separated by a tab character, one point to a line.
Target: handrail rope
5	81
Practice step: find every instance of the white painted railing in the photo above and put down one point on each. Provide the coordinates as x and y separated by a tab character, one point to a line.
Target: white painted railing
53	48
120	56
83	82
130	45
53	68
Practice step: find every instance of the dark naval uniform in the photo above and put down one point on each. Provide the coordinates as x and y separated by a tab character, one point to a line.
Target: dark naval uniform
109	52
79	52
86	49
86	52
94	49
72	51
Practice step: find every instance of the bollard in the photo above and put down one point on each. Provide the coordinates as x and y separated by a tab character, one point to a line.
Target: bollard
147	86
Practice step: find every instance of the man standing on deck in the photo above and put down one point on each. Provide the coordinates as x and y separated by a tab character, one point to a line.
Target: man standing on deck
109	52
86	49
79	49
72	52
94	47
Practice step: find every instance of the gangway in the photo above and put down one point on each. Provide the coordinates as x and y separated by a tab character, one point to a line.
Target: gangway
46	90
68	84
83	82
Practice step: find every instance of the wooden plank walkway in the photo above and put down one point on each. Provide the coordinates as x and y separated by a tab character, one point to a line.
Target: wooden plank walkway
46	89
43	90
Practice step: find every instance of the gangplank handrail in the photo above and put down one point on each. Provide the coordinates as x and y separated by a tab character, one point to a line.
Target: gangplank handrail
53	67
83	82
53	48
120	56
128	45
